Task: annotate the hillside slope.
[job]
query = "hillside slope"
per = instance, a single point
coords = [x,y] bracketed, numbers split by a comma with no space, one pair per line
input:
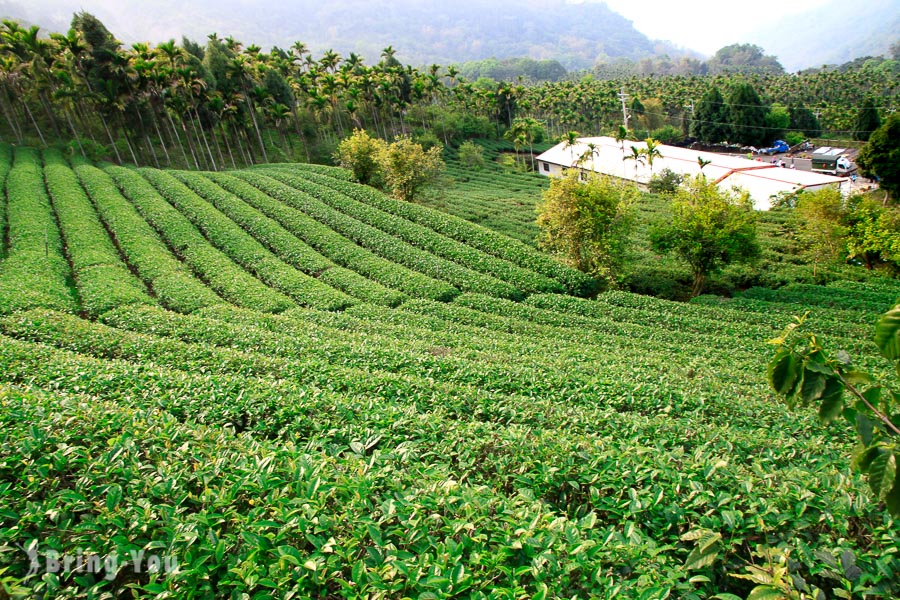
[842,32]
[422,31]
[283,380]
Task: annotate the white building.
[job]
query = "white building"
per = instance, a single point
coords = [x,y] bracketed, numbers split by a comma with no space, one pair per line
[762,180]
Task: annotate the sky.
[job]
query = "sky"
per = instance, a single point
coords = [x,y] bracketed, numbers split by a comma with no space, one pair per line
[705,25]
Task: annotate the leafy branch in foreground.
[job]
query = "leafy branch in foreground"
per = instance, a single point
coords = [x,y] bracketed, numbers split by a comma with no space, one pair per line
[803,374]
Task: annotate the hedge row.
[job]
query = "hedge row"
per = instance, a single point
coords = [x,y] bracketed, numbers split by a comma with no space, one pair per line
[35,273]
[334,172]
[225,277]
[170,280]
[381,243]
[358,202]
[286,245]
[103,281]
[335,246]
[241,247]
[829,297]
[490,242]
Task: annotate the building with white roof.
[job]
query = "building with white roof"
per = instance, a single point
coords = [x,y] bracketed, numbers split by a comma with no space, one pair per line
[762,180]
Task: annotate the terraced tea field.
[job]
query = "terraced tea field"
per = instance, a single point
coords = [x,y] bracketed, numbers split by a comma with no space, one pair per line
[294,386]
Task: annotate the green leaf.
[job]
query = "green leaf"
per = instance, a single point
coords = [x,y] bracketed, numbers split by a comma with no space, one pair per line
[766,592]
[359,572]
[375,535]
[882,473]
[865,427]
[831,407]
[887,334]
[541,594]
[708,540]
[698,558]
[812,387]
[113,496]
[892,500]
[783,371]
[818,367]
[694,534]
[289,554]
[857,377]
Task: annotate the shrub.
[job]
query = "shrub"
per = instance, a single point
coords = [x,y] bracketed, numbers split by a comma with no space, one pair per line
[665,182]
[471,155]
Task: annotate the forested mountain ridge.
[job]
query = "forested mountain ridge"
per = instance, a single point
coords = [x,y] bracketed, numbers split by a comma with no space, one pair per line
[422,31]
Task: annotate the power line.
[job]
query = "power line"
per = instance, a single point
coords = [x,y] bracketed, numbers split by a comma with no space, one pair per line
[757,126]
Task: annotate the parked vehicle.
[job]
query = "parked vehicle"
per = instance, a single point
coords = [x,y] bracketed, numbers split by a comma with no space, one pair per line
[831,161]
[778,147]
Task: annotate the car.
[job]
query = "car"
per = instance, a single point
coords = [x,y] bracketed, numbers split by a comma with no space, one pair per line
[778,147]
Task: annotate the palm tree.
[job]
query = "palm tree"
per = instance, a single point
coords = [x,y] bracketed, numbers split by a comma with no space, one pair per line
[570,140]
[621,135]
[651,152]
[241,69]
[702,162]
[593,150]
[637,155]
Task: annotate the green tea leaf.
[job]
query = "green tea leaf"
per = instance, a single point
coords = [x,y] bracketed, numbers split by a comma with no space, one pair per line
[113,496]
[887,334]
[766,592]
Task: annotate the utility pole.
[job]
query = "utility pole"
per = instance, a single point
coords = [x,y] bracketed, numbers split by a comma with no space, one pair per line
[623,97]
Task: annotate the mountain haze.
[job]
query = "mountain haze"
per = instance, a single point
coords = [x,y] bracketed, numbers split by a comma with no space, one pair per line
[835,33]
[422,31]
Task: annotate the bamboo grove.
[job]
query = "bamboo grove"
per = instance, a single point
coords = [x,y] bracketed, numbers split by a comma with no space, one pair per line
[224,105]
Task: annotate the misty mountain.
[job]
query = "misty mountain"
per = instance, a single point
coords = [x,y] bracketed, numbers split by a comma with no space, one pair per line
[835,33]
[422,31]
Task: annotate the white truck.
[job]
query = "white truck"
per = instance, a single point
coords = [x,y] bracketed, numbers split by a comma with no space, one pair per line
[832,161]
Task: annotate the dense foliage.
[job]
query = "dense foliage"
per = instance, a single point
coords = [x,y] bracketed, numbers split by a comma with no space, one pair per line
[326,391]
[222,104]
[709,229]
[805,374]
[587,223]
[880,157]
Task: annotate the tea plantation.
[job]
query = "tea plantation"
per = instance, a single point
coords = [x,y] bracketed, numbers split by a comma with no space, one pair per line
[296,387]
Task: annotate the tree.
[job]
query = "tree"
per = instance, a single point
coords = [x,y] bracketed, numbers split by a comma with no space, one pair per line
[881,155]
[709,229]
[570,140]
[407,168]
[621,135]
[471,155]
[638,156]
[867,120]
[743,58]
[586,223]
[803,119]
[873,233]
[820,225]
[746,116]
[710,118]
[360,154]
[803,374]
[778,119]
[651,152]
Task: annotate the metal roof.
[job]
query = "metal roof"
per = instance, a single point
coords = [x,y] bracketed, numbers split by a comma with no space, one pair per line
[761,179]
